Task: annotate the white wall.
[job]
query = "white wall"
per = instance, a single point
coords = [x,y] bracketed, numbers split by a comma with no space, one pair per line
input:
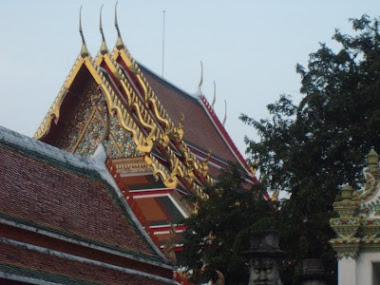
[365,270]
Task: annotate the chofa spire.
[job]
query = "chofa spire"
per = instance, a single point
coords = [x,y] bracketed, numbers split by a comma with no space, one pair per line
[84,51]
[103,47]
[225,113]
[199,91]
[214,99]
[119,42]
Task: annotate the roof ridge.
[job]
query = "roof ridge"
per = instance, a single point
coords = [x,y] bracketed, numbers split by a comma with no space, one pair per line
[211,114]
[14,138]
[223,132]
[188,95]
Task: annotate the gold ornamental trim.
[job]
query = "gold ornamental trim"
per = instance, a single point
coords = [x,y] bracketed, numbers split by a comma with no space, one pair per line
[186,172]
[161,115]
[113,102]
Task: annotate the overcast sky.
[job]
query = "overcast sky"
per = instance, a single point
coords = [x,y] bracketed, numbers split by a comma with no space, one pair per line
[250,48]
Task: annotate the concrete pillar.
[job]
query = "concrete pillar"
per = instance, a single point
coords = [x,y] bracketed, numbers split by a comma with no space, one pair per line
[347,269]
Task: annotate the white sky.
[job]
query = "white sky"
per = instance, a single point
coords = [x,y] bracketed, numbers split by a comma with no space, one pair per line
[250,48]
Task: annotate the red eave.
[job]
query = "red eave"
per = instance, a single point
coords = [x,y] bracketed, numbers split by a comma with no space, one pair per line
[167,228]
[158,192]
[226,137]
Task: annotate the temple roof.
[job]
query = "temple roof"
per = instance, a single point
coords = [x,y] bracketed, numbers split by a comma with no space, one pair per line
[178,135]
[200,132]
[62,193]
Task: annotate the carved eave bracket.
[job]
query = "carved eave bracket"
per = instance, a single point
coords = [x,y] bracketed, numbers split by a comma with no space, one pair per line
[178,132]
[132,102]
[163,140]
[203,169]
[151,100]
[170,180]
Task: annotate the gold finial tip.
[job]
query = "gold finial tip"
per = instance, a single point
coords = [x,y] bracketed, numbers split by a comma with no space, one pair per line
[199,91]
[84,51]
[208,156]
[225,113]
[201,80]
[119,42]
[103,47]
[214,99]
[275,194]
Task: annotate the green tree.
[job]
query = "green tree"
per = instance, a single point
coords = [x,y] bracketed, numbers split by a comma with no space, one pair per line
[218,234]
[309,149]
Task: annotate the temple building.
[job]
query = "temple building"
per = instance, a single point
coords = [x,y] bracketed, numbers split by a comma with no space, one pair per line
[163,143]
[107,174]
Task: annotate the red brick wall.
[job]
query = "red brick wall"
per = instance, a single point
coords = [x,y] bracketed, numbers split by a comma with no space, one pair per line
[49,196]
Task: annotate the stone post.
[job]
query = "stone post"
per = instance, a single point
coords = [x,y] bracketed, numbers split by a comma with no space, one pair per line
[264,254]
[313,272]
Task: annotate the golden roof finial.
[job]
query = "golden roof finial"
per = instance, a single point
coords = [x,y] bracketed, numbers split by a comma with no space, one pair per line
[208,156]
[119,42]
[181,121]
[84,50]
[225,113]
[170,245]
[214,99]
[253,166]
[275,194]
[103,47]
[201,80]
[199,92]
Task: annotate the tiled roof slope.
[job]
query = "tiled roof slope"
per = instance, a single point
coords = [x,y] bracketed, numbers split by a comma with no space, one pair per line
[60,192]
[199,130]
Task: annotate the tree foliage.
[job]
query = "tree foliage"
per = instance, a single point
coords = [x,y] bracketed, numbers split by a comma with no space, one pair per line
[218,234]
[307,149]
[310,148]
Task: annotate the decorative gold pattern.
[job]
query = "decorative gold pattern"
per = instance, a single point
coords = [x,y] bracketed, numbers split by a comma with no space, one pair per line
[160,137]
[85,131]
[131,165]
[115,106]
[158,110]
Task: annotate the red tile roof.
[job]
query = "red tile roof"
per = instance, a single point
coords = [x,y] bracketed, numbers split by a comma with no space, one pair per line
[43,266]
[47,189]
[199,129]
